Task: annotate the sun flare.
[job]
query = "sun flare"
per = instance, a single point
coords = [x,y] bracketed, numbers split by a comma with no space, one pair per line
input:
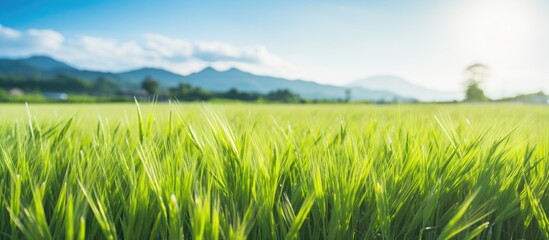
[499,29]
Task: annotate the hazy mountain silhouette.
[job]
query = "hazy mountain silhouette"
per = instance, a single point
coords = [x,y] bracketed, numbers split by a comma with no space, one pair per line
[45,66]
[402,87]
[214,80]
[46,63]
[38,65]
[208,79]
[165,78]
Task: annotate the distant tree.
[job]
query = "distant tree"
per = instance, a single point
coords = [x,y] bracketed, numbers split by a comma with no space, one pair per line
[233,93]
[475,75]
[3,94]
[347,95]
[182,89]
[186,92]
[474,93]
[67,83]
[58,83]
[103,87]
[283,95]
[150,85]
[199,94]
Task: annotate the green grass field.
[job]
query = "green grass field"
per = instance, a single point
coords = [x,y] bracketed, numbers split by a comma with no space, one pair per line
[193,171]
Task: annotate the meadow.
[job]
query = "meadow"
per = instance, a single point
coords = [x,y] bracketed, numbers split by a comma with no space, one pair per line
[251,171]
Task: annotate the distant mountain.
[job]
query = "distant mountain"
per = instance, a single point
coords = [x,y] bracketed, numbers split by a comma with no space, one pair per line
[165,78]
[402,87]
[532,98]
[94,75]
[214,80]
[34,65]
[48,67]
[208,79]
[9,66]
[46,63]
[220,81]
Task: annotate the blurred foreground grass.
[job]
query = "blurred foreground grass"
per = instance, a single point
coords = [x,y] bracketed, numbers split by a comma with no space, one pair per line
[244,171]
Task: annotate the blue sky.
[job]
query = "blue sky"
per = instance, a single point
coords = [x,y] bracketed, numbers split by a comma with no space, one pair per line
[427,42]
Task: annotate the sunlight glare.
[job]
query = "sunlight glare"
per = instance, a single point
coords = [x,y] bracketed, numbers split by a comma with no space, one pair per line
[500,30]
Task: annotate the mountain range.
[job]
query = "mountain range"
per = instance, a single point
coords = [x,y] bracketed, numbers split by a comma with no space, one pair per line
[372,89]
[404,88]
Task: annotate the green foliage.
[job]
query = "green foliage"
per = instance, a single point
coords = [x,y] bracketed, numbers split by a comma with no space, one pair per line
[238,95]
[186,92]
[150,85]
[194,171]
[60,83]
[474,93]
[475,75]
[283,95]
[104,87]
[4,94]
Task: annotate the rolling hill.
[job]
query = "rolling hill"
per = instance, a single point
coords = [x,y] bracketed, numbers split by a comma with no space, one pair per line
[214,80]
[208,78]
[44,66]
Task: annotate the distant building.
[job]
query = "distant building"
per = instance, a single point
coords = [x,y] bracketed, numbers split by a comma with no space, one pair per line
[16,92]
[55,95]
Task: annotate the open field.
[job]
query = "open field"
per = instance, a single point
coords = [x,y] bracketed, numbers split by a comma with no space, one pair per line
[243,171]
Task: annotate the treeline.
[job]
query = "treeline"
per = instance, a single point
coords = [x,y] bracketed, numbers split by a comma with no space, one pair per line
[59,83]
[186,92]
[36,89]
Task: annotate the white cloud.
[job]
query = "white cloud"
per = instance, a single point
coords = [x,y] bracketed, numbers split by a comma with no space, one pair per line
[8,33]
[509,36]
[153,50]
[45,39]
[169,48]
[32,41]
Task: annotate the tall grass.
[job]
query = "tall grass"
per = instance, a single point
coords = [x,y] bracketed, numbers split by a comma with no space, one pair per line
[274,172]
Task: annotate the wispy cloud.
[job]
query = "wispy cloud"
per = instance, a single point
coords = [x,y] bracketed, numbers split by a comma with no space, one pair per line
[153,50]
[8,33]
[14,42]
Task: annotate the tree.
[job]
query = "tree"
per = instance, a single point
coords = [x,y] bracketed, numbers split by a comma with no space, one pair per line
[347,95]
[474,93]
[104,87]
[475,75]
[4,94]
[150,85]
[186,92]
[181,90]
[283,95]
[234,94]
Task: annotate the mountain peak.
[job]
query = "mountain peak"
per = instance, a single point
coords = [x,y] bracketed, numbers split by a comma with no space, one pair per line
[233,69]
[152,69]
[40,57]
[46,62]
[208,79]
[213,70]
[149,70]
[209,69]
